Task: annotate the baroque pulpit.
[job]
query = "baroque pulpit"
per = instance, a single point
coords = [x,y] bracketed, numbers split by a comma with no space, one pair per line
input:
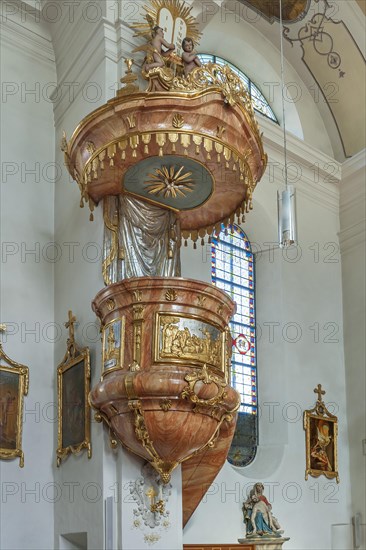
[169,164]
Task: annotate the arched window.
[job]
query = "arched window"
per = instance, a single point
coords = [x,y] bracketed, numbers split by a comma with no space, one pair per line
[260,103]
[233,272]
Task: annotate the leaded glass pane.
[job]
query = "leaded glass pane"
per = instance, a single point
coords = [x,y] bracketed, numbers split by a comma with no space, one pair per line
[233,271]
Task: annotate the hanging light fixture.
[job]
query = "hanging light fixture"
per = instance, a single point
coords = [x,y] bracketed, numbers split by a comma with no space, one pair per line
[286,203]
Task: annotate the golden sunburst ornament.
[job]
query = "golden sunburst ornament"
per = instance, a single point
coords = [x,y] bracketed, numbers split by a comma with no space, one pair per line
[174,16]
[170,182]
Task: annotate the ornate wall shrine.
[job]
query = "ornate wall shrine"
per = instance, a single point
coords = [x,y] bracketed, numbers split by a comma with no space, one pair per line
[171,163]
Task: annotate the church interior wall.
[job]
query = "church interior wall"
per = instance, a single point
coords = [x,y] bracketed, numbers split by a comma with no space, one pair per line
[299,305]
[27,277]
[352,244]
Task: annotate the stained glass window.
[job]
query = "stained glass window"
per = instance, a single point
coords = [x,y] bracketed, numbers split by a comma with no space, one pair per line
[260,103]
[233,272]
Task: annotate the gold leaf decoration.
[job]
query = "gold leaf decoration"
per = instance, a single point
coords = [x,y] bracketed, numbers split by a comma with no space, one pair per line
[170,295]
[111,304]
[90,147]
[170,182]
[165,404]
[178,121]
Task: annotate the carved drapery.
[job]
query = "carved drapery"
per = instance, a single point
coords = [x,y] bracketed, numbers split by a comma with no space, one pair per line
[140,239]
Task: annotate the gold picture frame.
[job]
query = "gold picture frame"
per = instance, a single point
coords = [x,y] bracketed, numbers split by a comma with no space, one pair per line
[73,387]
[321,432]
[14,383]
[113,345]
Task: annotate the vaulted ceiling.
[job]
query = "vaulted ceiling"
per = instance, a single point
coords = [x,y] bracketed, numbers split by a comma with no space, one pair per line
[291,9]
[325,43]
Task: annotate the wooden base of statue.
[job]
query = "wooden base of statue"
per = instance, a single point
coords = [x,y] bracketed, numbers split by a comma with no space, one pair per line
[164,390]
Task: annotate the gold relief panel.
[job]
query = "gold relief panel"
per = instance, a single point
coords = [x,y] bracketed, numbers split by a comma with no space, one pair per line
[113,345]
[180,339]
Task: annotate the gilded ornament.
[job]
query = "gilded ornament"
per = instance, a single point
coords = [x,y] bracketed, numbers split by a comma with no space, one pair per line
[134,366]
[137,295]
[98,417]
[165,404]
[170,295]
[206,377]
[122,146]
[185,140]
[173,138]
[146,138]
[179,12]
[138,311]
[90,147]
[170,182]
[201,300]
[220,131]
[131,119]
[178,121]
[111,304]
[134,142]
[182,338]
[197,140]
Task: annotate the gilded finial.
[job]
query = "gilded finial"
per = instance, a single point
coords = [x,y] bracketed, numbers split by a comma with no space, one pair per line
[129,62]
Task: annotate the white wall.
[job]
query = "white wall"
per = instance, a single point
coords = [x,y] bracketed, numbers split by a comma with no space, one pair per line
[27,212]
[300,344]
[352,240]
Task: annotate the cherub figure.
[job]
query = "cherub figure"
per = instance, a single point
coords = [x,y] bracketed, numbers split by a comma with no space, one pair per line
[155,57]
[189,57]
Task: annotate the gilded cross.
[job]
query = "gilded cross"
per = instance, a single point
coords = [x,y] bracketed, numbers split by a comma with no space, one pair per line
[70,325]
[319,391]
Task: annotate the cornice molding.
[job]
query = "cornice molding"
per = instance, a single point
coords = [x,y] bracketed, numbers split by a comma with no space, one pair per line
[351,166]
[353,237]
[24,39]
[320,174]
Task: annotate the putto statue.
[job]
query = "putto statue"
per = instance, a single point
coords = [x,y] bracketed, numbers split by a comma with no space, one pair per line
[155,53]
[189,57]
[258,518]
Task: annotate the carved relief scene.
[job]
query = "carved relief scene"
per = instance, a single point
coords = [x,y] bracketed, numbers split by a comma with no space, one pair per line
[182,339]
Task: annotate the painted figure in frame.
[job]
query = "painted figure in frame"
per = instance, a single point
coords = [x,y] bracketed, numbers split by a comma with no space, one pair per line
[258,518]
[9,384]
[320,449]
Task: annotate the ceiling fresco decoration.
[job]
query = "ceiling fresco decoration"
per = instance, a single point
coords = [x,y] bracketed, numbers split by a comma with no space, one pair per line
[336,63]
[292,10]
[316,29]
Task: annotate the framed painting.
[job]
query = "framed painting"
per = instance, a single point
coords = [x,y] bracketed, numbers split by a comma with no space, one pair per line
[14,381]
[113,345]
[73,386]
[321,429]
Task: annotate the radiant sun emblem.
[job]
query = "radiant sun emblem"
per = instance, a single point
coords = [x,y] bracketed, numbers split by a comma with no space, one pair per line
[170,182]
